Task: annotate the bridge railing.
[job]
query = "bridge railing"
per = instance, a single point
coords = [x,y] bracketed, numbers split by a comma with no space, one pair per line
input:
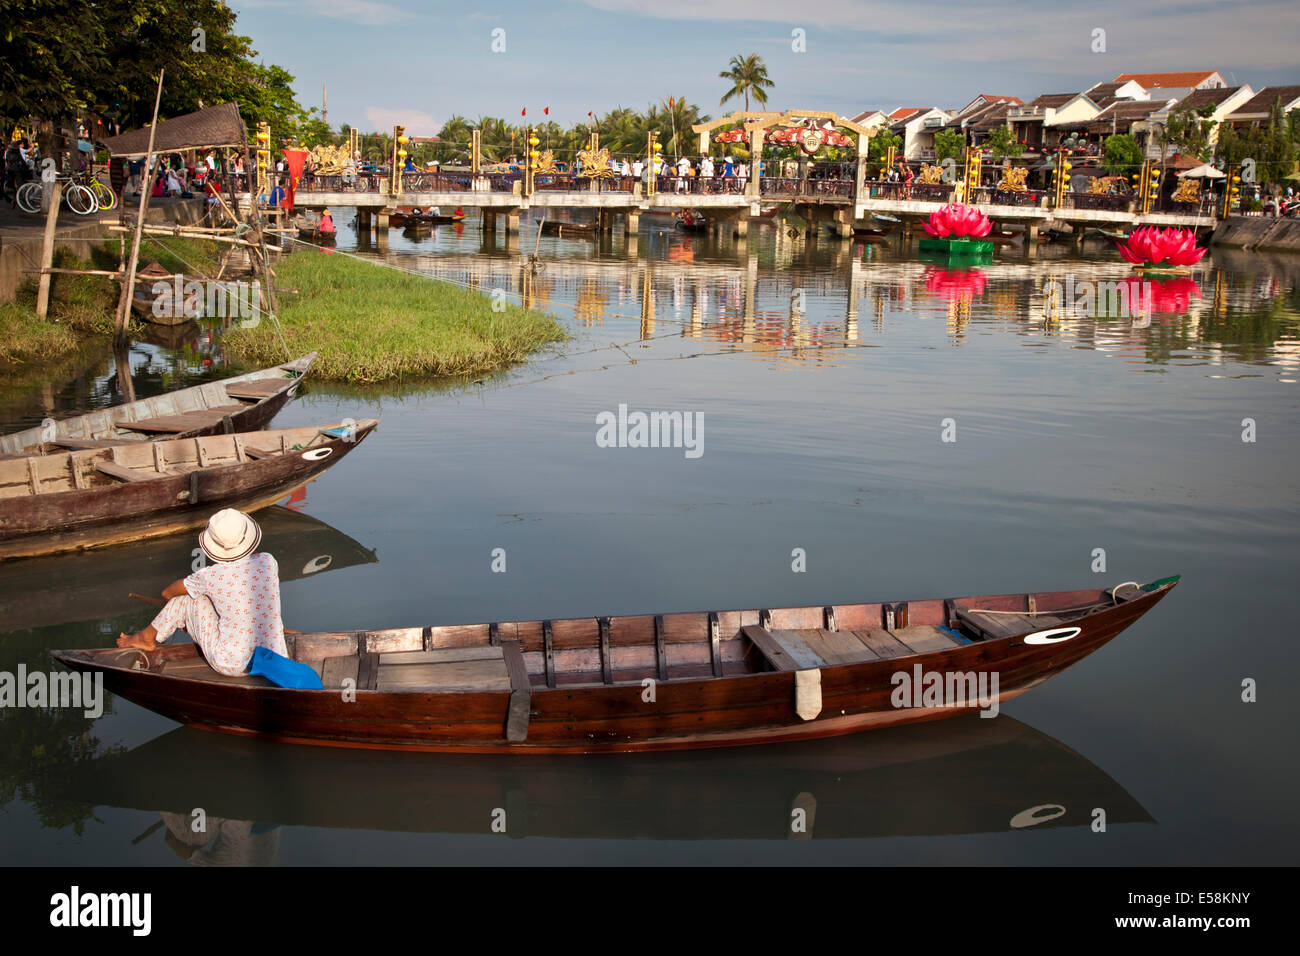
[794,187]
[700,185]
[992,196]
[1104,202]
[922,192]
[439,182]
[338,183]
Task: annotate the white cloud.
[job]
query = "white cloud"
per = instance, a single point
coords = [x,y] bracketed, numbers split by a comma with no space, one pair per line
[417,122]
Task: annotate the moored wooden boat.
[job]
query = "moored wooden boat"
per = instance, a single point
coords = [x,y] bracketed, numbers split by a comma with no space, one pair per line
[126,492]
[647,682]
[552,227]
[160,297]
[239,404]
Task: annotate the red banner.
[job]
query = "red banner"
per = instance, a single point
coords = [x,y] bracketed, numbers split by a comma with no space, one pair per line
[294,160]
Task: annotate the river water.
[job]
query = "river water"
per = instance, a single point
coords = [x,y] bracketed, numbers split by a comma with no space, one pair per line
[827,376]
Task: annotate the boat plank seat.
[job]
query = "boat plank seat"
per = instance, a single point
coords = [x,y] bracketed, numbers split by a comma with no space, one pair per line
[184,421]
[837,647]
[883,643]
[196,668]
[124,473]
[925,638]
[257,389]
[993,625]
[336,670]
[783,650]
[471,675]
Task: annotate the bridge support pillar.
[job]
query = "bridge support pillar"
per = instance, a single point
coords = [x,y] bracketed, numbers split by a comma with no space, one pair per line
[1077,235]
[632,222]
[844,223]
[512,222]
[489,224]
[741,226]
[1031,233]
[363,221]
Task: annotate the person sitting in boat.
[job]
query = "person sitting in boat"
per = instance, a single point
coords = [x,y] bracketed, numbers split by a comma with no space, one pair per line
[459,213]
[326,224]
[229,607]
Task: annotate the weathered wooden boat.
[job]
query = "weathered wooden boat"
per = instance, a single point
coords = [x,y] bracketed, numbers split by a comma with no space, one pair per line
[405,215]
[160,297]
[239,404]
[568,230]
[646,682]
[96,585]
[1011,778]
[136,490]
[313,235]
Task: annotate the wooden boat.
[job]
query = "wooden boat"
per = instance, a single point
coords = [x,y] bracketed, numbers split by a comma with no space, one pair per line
[313,235]
[242,403]
[696,223]
[404,215]
[127,492]
[851,787]
[160,297]
[648,682]
[95,585]
[568,230]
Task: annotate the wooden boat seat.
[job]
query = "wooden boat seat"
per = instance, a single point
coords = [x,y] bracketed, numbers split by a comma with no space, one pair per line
[992,625]
[446,669]
[123,473]
[184,422]
[788,650]
[257,389]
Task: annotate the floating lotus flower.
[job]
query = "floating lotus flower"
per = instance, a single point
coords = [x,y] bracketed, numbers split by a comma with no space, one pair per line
[956,221]
[1167,248]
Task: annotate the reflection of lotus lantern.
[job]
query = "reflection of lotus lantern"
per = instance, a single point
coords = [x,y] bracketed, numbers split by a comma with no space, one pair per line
[955,283]
[1167,296]
[1170,248]
[956,221]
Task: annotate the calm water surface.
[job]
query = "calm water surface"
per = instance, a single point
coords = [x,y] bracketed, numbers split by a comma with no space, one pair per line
[824,372]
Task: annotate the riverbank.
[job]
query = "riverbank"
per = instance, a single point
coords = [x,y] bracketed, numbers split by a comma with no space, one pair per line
[371,324]
[81,307]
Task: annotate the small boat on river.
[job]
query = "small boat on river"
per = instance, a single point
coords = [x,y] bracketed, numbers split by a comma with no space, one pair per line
[239,404]
[136,490]
[643,682]
[568,230]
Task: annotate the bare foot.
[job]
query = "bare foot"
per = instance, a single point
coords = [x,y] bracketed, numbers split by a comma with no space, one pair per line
[139,640]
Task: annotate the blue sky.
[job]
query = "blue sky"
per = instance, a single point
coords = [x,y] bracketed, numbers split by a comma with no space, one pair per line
[388,61]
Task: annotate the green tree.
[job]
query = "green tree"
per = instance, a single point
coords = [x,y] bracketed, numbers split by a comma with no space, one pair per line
[1002,145]
[748,76]
[948,144]
[1188,131]
[1123,156]
[879,146]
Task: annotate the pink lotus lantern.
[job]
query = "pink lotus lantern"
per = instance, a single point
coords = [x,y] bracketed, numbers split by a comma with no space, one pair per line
[956,221]
[1161,248]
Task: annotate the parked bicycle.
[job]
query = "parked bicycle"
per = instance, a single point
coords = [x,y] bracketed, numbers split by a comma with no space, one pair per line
[84,194]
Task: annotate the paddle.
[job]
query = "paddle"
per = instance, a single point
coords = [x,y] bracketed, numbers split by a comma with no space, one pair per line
[159,602]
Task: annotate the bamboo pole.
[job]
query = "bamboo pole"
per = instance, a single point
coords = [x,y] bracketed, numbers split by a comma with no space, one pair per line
[128,281]
[47,252]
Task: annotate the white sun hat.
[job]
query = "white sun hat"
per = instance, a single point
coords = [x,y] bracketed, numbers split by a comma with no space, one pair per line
[230,536]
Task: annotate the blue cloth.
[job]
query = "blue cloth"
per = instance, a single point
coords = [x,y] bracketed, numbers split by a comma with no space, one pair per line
[283,672]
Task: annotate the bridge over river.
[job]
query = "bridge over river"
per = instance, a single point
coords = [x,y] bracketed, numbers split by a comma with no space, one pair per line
[823,193]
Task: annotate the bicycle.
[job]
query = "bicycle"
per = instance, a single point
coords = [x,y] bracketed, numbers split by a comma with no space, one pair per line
[79,197]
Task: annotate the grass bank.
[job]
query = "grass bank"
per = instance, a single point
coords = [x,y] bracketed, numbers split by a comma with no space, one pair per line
[373,324]
[81,307]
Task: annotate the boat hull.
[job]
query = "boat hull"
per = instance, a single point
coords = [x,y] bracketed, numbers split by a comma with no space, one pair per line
[75,520]
[626,715]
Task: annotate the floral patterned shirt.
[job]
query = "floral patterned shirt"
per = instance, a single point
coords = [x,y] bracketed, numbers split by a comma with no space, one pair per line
[246,595]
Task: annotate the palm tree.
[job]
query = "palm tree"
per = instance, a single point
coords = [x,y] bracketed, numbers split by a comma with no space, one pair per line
[748,74]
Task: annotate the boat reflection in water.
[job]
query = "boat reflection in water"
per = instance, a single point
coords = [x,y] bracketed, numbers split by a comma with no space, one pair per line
[959,776]
[94,585]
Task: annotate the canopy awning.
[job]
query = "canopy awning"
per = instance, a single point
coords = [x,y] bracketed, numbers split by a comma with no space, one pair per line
[210,128]
[1203,171]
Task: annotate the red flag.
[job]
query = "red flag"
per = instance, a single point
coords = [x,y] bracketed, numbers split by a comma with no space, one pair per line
[589,113]
[524,111]
[546,110]
[670,102]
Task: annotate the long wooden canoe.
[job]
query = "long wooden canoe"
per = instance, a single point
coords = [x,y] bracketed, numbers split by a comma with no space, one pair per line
[647,682]
[243,403]
[101,496]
